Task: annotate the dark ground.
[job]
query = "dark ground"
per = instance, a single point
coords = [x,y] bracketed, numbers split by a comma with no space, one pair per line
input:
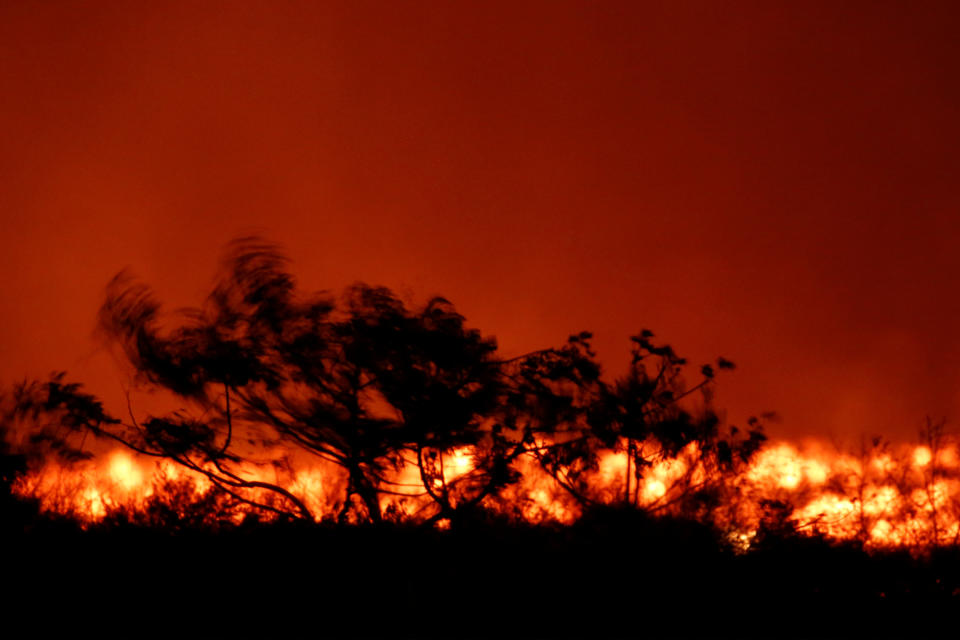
[614,574]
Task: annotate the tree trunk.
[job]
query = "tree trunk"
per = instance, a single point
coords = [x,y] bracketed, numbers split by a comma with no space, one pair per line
[367,493]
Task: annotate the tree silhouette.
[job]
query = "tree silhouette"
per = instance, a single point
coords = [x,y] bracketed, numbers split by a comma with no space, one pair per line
[363,382]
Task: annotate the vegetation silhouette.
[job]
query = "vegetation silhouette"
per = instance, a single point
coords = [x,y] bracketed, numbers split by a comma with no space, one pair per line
[368,384]
[365,383]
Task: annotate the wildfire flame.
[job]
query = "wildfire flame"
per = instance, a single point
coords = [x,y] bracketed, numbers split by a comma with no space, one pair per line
[907,496]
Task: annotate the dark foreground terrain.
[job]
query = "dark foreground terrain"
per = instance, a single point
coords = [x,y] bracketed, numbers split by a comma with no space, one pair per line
[614,574]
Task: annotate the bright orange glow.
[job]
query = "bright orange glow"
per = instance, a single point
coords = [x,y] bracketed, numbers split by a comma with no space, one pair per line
[948,458]
[124,471]
[457,463]
[890,497]
[654,489]
[784,466]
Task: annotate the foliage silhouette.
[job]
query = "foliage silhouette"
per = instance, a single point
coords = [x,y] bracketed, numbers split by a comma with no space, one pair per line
[363,382]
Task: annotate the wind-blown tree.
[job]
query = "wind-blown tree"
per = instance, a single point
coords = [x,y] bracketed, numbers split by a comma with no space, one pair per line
[369,385]
[577,416]
[358,386]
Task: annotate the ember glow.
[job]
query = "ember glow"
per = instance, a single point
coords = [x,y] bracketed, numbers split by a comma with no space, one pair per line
[886,496]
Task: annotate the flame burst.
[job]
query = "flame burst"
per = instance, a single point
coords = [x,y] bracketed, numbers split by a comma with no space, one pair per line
[907,496]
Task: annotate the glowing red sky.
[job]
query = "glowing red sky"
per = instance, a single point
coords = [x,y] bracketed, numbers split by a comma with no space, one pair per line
[771,182]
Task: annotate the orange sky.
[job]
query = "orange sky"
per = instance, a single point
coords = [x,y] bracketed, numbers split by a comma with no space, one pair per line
[770,182]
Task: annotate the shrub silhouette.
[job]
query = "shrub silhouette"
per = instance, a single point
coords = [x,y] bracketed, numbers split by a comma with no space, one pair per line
[369,384]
